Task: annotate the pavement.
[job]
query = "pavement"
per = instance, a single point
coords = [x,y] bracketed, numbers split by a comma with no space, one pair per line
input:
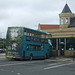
[2,55]
[64,59]
[51,66]
[59,59]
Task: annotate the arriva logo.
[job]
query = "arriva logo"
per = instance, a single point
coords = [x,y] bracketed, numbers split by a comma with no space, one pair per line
[49,41]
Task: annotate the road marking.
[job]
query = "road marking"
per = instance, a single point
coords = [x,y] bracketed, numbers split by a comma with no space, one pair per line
[18,73]
[13,64]
[54,64]
[58,66]
[2,54]
[17,63]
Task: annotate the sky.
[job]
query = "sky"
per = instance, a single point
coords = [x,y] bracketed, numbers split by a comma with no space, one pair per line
[30,13]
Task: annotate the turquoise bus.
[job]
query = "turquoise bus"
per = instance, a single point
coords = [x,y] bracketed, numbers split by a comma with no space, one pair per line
[25,43]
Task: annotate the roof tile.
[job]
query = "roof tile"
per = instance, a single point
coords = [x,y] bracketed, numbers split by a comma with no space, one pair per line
[43,27]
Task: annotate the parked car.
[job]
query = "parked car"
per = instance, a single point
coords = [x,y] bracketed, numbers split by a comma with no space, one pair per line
[2,50]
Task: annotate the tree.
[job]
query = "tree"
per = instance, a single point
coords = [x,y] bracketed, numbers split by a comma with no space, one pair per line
[2,43]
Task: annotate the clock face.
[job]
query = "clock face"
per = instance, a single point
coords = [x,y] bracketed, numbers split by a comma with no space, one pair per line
[61,21]
[66,20]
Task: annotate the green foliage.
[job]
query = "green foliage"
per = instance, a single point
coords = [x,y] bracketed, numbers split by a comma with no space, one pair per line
[2,43]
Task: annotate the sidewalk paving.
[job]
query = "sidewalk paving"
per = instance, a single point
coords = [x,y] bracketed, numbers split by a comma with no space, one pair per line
[61,59]
[58,59]
[2,55]
[64,59]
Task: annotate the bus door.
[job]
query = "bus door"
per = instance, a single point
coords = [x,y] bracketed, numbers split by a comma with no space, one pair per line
[23,54]
[50,47]
[50,50]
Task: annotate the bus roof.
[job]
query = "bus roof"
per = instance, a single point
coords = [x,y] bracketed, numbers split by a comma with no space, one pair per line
[32,30]
[37,31]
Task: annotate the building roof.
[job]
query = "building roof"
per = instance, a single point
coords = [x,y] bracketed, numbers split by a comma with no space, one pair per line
[66,9]
[72,22]
[45,26]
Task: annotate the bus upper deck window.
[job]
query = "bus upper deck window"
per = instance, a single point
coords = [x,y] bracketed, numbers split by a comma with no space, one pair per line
[30,34]
[24,33]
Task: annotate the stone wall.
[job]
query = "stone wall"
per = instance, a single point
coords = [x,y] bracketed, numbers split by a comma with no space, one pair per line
[61,33]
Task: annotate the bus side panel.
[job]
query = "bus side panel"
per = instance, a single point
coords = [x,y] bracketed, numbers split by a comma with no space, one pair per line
[46,47]
[36,54]
[24,45]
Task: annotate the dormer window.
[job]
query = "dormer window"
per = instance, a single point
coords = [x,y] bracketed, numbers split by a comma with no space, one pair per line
[66,20]
[61,20]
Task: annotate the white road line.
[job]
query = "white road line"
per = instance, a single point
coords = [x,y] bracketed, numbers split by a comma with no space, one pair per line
[16,64]
[54,64]
[3,54]
[18,73]
[58,66]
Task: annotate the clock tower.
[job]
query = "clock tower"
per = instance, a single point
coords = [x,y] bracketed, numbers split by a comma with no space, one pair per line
[65,16]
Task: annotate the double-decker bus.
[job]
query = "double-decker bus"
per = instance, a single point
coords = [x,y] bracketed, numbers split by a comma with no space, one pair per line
[25,43]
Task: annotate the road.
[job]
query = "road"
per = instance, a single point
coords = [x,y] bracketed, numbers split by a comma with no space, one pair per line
[36,67]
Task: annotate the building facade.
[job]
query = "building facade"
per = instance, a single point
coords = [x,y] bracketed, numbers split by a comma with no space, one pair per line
[63,35]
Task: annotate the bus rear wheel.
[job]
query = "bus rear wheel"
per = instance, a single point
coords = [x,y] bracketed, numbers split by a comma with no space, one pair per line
[46,56]
[31,56]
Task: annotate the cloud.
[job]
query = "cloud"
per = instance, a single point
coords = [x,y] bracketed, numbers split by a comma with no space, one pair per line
[29,13]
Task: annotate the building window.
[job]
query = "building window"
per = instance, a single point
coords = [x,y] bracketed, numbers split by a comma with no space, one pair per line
[70,43]
[66,20]
[61,20]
